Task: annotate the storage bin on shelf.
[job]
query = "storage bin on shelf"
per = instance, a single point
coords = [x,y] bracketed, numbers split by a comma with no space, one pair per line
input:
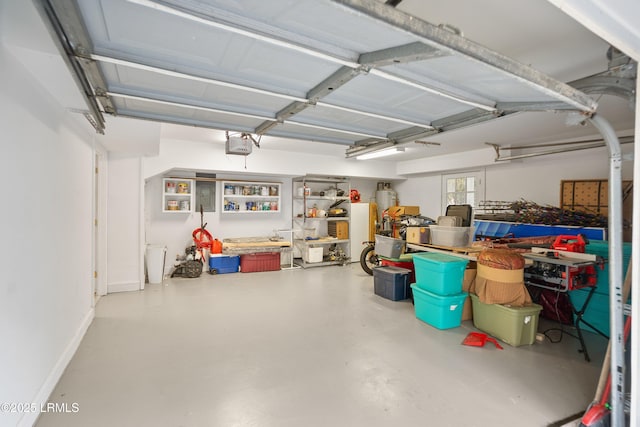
[449,221]
[441,312]
[492,229]
[389,247]
[439,273]
[450,236]
[312,255]
[391,282]
[515,326]
[222,264]
[260,261]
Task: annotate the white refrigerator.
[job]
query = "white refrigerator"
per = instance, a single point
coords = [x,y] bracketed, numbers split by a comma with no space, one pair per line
[359,229]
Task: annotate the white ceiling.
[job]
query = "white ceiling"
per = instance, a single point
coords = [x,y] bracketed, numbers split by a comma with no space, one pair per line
[533,32]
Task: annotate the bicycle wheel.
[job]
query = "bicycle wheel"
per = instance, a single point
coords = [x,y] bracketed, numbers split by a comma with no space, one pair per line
[369,259]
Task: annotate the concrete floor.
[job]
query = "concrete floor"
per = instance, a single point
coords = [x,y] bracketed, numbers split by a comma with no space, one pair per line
[309,348]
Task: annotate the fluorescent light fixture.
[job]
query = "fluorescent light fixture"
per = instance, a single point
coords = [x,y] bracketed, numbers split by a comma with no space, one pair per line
[381,153]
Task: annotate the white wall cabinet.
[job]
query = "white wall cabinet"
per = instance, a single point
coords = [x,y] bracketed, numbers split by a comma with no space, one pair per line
[251,197]
[321,221]
[178,195]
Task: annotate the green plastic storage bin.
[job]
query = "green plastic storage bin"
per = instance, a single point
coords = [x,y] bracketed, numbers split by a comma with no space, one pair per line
[439,273]
[515,326]
[439,311]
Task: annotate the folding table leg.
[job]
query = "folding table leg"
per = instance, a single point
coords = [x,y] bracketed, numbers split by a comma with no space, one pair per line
[579,314]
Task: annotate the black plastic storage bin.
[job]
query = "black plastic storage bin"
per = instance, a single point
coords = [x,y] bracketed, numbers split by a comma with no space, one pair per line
[463,211]
[391,282]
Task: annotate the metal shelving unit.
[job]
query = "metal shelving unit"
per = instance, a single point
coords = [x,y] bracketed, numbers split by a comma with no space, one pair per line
[314,197]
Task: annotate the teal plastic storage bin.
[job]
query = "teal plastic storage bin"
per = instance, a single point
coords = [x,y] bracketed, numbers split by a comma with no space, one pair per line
[439,273]
[601,248]
[439,311]
[597,312]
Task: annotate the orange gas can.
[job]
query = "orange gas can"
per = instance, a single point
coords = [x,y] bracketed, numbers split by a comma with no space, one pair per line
[216,246]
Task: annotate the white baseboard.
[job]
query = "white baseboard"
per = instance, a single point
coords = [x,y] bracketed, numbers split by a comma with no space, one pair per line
[123,287]
[41,398]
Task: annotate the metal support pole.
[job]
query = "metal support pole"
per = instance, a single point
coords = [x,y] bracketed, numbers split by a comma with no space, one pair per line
[615,270]
[635,280]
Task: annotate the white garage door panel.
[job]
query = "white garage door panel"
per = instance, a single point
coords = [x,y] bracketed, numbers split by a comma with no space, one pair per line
[326,116]
[171,114]
[382,96]
[479,82]
[288,64]
[130,81]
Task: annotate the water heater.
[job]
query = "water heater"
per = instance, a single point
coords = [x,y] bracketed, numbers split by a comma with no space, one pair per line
[385,199]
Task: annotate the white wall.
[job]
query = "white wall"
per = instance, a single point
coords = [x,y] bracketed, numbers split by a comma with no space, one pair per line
[535,179]
[180,154]
[174,230]
[46,171]
[538,178]
[124,224]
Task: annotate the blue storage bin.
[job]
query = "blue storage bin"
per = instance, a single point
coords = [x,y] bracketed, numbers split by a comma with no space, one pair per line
[391,282]
[221,264]
[486,228]
[442,312]
[439,273]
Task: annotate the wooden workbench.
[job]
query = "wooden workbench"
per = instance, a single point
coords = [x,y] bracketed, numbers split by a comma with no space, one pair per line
[250,245]
[466,252]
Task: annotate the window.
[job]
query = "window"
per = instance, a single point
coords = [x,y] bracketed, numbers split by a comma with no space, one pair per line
[465,188]
[205,192]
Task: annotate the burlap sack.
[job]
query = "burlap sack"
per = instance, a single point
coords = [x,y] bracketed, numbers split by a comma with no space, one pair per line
[504,259]
[497,286]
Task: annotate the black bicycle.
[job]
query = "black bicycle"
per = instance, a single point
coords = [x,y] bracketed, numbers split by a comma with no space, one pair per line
[368,257]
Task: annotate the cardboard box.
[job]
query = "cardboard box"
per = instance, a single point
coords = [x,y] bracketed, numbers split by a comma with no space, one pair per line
[469,277]
[395,211]
[418,235]
[338,229]
[467,284]
[467,309]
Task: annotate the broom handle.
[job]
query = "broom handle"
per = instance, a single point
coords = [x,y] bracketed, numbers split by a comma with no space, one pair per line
[606,364]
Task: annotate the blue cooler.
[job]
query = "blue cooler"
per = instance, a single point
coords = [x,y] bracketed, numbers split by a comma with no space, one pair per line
[221,264]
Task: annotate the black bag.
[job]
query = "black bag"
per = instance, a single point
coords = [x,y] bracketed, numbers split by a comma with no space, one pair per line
[188,269]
